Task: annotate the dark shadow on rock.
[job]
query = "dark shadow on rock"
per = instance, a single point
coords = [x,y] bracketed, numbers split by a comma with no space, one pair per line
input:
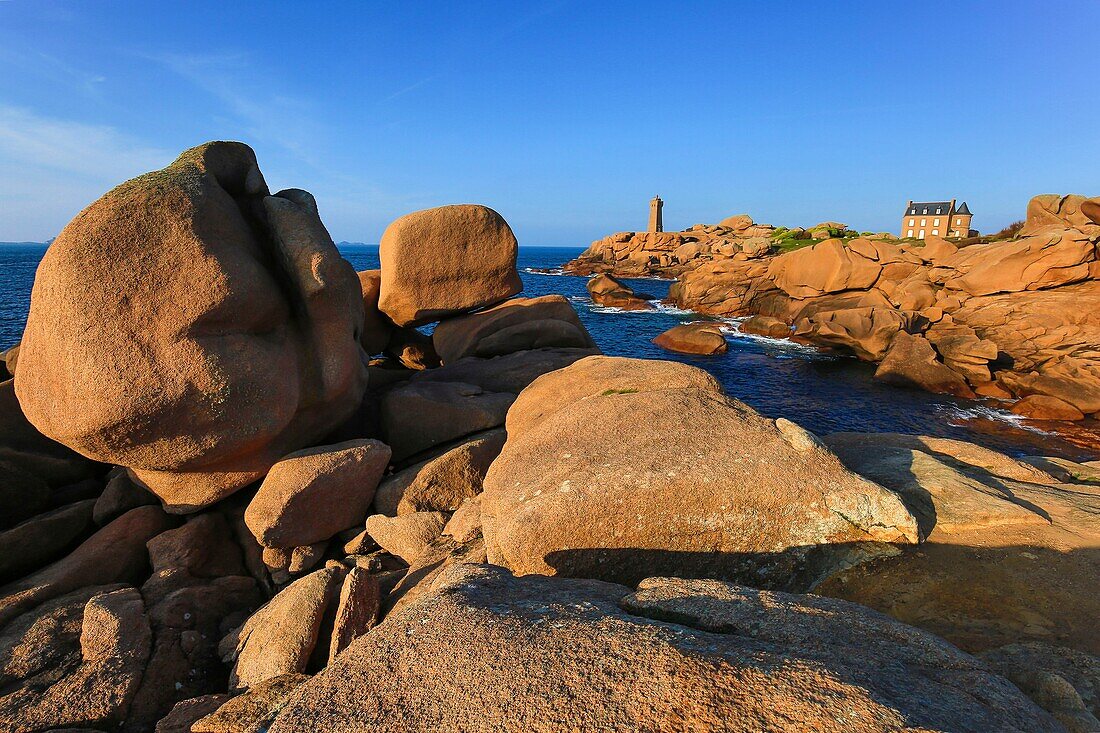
[796,569]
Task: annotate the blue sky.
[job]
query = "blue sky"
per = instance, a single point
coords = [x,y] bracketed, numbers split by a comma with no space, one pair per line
[564,116]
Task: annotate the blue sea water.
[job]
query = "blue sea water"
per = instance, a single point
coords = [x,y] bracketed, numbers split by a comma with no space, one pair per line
[779,379]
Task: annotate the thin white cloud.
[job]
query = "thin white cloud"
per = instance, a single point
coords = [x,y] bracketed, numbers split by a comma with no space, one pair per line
[51,168]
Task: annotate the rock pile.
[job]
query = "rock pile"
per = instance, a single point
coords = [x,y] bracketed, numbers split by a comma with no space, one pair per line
[309,515]
[1014,320]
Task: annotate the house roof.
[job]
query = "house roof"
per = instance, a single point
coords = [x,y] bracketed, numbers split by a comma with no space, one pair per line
[917,208]
[963,210]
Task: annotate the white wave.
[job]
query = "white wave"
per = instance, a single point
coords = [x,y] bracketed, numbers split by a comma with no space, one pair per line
[548,271]
[732,328]
[960,415]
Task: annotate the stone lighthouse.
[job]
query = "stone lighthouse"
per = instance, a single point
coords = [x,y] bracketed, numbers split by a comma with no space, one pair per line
[656,223]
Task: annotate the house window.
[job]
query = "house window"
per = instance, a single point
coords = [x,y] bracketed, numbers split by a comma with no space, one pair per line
[936,232]
[923,222]
[921,235]
[910,222]
[925,211]
[937,211]
[958,222]
[935,222]
[910,233]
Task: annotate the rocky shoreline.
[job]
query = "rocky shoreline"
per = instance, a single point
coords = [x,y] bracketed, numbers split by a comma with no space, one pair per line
[241,491]
[1013,320]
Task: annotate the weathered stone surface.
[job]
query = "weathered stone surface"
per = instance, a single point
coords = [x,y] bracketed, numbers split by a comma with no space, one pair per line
[507,373]
[204,547]
[867,331]
[607,291]
[356,611]
[765,326]
[465,524]
[186,712]
[938,494]
[422,415]
[376,327]
[115,642]
[983,578]
[43,538]
[675,655]
[1075,381]
[911,362]
[120,495]
[441,483]
[515,325]
[1042,261]
[963,351]
[600,376]
[1052,211]
[693,338]
[1045,407]
[412,349]
[1064,682]
[575,493]
[253,710]
[828,267]
[180,298]
[30,463]
[446,261]
[406,536]
[280,637]
[114,554]
[312,494]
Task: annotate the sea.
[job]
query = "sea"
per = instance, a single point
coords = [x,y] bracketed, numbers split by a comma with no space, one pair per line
[823,393]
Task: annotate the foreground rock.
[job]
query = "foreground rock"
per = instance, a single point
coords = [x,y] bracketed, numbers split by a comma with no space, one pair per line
[446,261]
[615,479]
[443,482]
[114,554]
[1010,551]
[241,292]
[312,494]
[607,659]
[1064,682]
[114,645]
[693,338]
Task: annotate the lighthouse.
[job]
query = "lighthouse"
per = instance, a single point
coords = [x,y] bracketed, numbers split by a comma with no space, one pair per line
[656,223]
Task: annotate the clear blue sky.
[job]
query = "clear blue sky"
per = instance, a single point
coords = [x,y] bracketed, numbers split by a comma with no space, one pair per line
[565,116]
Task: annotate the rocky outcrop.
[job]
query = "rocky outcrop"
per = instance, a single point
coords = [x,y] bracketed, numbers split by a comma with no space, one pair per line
[583,490]
[607,291]
[911,362]
[515,325]
[674,654]
[113,647]
[446,261]
[1064,682]
[1010,549]
[693,338]
[312,494]
[1004,318]
[194,328]
[527,448]
[443,482]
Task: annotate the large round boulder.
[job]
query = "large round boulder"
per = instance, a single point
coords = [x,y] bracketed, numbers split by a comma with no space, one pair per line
[194,328]
[446,261]
[617,476]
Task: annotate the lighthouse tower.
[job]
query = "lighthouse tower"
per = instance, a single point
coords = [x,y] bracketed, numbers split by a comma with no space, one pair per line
[656,222]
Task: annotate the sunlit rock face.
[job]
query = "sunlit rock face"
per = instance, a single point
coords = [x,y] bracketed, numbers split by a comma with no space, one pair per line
[194,328]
